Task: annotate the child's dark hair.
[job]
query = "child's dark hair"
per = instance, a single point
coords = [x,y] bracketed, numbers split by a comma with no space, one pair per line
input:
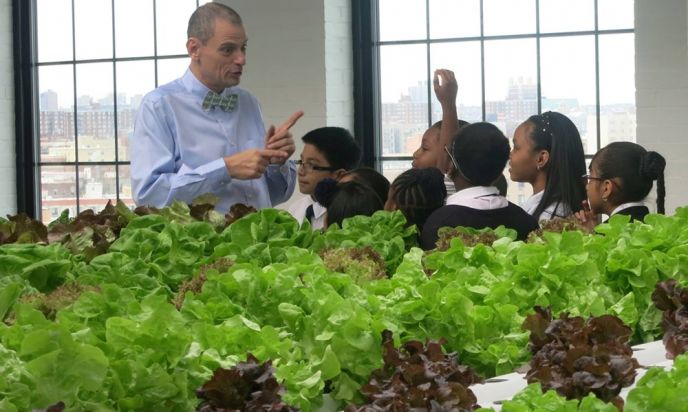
[481,151]
[557,134]
[419,192]
[371,177]
[501,185]
[635,167]
[345,200]
[336,144]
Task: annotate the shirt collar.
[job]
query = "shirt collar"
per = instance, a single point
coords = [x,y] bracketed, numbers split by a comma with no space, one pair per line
[532,203]
[478,197]
[318,210]
[198,89]
[626,206]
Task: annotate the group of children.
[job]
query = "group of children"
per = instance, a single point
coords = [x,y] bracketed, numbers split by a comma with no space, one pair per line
[457,177]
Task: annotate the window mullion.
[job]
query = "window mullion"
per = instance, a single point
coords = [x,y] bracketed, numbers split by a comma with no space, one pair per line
[482,61]
[598,111]
[114,91]
[76,112]
[155,41]
[429,73]
[538,74]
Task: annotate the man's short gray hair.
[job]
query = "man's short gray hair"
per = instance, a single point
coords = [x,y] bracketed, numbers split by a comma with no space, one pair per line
[202,21]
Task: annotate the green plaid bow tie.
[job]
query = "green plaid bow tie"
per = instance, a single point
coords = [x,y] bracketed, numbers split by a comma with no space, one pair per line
[225,103]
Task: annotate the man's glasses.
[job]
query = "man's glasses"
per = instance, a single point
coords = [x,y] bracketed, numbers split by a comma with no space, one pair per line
[309,167]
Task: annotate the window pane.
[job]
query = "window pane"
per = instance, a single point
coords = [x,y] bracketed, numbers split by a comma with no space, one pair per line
[617,88]
[615,14]
[58,191]
[93,29]
[134,80]
[95,112]
[404,112]
[125,185]
[568,82]
[97,185]
[138,14]
[510,83]
[402,20]
[464,59]
[454,18]
[172,20]
[54,27]
[56,116]
[509,17]
[393,168]
[171,69]
[566,15]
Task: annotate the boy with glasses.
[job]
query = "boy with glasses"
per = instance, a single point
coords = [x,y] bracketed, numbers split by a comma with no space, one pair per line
[328,153]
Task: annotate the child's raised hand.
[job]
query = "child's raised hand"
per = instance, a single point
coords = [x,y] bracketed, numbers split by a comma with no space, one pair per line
[445,86]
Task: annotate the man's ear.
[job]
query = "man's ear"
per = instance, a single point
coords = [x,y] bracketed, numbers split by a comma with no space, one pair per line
[193,46]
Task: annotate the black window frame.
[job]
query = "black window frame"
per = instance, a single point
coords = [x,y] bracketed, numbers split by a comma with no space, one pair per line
[26,103]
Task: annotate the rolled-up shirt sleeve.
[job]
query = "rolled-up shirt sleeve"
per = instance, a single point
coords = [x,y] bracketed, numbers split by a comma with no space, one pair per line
[156,179]
[281,181]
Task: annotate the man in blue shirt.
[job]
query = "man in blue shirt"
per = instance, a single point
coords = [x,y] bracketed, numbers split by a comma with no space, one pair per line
[202,134]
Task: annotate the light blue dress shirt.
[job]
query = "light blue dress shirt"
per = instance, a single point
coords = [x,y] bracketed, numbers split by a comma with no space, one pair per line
[177,149]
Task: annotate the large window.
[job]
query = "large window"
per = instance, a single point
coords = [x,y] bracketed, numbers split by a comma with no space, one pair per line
[512,59]
[92,61]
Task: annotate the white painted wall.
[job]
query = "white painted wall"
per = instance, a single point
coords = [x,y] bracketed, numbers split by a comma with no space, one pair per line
[661,40]
[8,191]
[338,64]
[299,58]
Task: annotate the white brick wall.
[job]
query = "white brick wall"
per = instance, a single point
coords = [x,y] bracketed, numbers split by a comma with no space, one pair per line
[339,63]
[662,88]
[8,191]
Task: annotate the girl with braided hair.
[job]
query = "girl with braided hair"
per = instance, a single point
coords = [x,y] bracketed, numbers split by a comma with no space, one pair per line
[417,193]
[621,176]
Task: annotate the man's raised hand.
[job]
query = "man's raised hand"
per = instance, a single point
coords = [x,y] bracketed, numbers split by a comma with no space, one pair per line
[281,139]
